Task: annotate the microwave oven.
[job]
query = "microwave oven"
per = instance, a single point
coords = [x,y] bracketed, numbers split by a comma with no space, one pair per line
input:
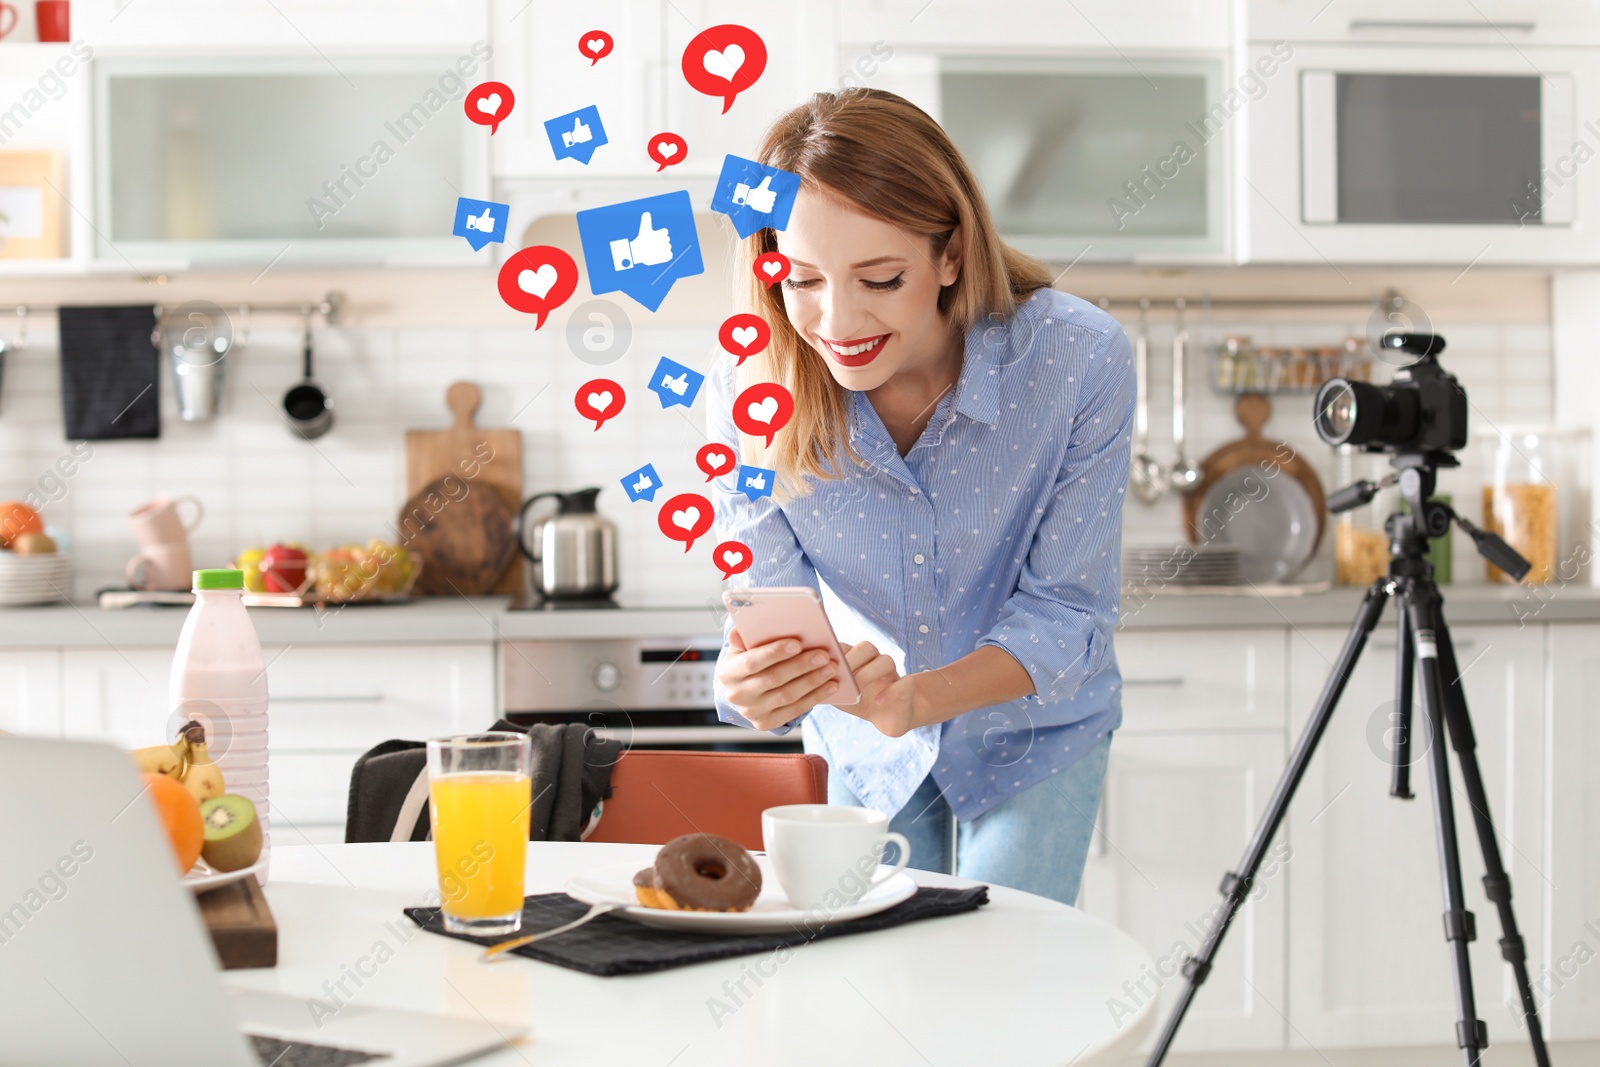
[1425,154]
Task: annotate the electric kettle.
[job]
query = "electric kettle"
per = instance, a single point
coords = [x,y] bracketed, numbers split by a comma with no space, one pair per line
[574,551]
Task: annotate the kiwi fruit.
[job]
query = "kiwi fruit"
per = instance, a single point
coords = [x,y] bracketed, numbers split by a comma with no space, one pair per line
[232,833]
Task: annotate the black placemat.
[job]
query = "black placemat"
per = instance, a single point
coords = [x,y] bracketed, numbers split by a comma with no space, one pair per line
[610,945]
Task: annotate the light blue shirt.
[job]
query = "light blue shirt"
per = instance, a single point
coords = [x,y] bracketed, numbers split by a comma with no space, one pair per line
[1002,526]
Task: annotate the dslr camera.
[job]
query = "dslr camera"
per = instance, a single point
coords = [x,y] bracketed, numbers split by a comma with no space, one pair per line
[1423,410]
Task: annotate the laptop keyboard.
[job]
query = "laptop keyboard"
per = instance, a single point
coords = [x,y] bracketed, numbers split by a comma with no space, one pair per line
[274,1053]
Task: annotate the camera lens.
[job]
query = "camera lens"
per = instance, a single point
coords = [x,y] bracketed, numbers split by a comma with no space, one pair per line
[1360,413]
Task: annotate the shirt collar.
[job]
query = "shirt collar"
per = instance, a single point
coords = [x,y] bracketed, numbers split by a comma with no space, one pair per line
[977,392]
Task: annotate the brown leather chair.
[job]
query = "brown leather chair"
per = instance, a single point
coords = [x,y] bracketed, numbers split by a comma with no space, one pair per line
[658,795]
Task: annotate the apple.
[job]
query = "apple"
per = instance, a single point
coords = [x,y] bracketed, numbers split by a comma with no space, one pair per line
[283,569]
[33,544]
[17,518]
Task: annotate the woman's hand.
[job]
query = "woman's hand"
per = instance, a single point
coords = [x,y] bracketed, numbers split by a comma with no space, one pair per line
[888,700]
[774,683]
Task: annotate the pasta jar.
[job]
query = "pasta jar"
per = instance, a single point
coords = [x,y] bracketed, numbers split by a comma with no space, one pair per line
[1519,503]
[1360,545]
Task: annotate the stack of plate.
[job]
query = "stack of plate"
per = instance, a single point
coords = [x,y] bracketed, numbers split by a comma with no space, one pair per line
[1157,565]
[40,579]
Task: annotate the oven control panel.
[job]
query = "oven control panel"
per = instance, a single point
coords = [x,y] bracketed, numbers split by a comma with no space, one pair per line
[538,675]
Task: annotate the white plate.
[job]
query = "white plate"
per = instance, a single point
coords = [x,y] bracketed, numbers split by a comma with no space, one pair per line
[1278,532]
[771,914]
[201,877]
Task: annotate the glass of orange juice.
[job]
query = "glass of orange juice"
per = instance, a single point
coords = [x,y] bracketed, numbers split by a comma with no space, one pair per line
[479,796]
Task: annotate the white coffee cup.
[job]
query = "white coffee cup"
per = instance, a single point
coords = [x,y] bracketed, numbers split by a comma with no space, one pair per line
[826,855]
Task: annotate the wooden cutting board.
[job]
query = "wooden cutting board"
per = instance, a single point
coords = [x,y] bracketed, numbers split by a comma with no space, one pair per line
[241,925]
[461,450]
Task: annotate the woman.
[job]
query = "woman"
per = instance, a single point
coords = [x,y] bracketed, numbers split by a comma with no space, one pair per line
[952,483]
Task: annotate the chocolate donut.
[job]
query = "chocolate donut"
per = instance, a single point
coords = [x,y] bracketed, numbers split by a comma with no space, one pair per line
[705,872]
[644,887]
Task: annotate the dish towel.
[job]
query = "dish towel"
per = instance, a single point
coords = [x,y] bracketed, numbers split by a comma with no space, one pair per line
[571,776]
[610,945]
[110,373]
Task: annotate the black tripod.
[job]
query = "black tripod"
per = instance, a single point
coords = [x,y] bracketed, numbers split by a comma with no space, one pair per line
[1424,649]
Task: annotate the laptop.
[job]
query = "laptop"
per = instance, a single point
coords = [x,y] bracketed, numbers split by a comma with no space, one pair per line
[104,959]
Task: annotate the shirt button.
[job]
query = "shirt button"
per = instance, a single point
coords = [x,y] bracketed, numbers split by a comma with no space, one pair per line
[915,490]
[922,629]
[917,559]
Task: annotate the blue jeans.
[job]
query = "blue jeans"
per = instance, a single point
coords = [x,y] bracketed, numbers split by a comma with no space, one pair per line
[1035,841]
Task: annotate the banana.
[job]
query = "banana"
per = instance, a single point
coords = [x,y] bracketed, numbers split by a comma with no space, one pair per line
[202,777]
[160,759]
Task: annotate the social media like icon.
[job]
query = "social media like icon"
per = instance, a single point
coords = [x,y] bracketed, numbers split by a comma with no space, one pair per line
[771,268]
[714,460]
[724,61]
[600,399]
[675,384]
[754,195]
[642,484]
[576,134]
[667,150]
[743,335]
[763,409]
[732,557]
[686,517]
[538,279]
[640,247]
[489,103]
[481,221]
[595,46]
[755,482]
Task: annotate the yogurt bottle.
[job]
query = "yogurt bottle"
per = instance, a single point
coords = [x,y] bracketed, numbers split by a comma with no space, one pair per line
[220,679]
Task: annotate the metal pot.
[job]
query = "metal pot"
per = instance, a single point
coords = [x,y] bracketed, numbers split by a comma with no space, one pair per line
[573,552]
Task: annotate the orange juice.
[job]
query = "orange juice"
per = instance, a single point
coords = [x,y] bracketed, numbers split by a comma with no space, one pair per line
[480,841]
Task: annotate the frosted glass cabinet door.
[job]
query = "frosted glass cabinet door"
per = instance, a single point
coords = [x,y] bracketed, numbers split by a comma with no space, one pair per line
[242,159]
[1095,157]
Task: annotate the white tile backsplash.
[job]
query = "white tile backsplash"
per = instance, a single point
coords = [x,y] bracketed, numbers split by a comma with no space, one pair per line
[259,483]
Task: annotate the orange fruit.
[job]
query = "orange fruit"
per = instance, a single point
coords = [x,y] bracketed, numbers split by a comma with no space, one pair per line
[179,812]
[17,518]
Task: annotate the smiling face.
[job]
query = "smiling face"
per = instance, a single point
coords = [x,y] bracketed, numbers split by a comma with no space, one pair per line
[864,292]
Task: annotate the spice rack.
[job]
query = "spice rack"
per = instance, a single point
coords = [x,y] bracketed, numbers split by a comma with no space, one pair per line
[1238,366]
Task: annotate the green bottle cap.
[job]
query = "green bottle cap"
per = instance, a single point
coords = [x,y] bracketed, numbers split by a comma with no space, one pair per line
[218,579]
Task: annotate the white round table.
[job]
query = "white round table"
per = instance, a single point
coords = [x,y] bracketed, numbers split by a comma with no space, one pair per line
[1022,981]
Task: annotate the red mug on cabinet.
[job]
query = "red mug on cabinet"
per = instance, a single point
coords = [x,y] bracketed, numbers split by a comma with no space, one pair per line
[54,20]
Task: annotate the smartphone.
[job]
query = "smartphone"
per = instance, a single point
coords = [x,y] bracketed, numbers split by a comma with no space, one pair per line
[764,615]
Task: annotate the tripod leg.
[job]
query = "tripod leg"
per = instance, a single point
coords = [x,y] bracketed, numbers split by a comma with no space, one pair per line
[1236,884]
[1404,669]
[1421,604]
[1496,882]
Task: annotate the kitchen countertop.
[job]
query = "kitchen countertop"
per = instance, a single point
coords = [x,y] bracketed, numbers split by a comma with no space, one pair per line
[486,619]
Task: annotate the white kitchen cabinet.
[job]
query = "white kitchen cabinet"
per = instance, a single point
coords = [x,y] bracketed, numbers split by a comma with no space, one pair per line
[1189,679]
[1177,812]
[1490,22]
[116,694]
[639,88]
[1084,25]
[1568,986]
[297,25]
[30,691]
[1368,962]
[328,705]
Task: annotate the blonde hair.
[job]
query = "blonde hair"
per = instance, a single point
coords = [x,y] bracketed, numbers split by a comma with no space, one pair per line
[836,142]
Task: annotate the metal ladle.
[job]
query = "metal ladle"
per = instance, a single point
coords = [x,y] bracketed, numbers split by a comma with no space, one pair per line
[1183,476]
[1144,472]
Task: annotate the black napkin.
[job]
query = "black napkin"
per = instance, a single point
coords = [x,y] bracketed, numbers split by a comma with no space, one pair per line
[110,385]
[610,945]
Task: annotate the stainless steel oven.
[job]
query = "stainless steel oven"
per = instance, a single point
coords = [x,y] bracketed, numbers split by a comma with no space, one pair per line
[652,693]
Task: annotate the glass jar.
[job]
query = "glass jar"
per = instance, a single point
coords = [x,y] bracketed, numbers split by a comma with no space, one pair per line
[1519,503]
[1230,355]
[1356,360]
[1360,545]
